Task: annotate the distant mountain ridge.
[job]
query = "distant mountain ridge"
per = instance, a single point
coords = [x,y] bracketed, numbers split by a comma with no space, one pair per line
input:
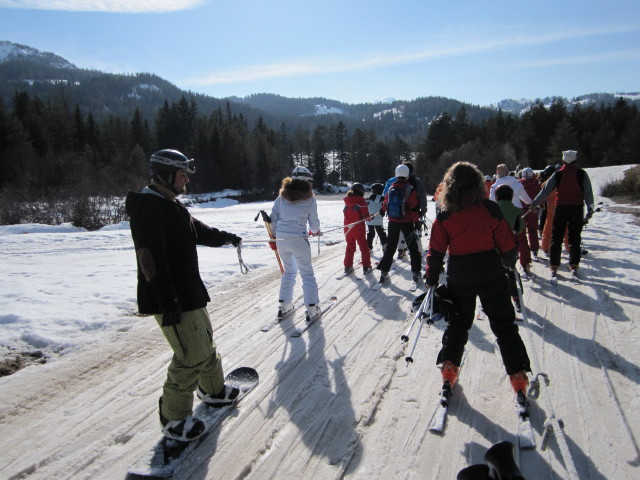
[45,74]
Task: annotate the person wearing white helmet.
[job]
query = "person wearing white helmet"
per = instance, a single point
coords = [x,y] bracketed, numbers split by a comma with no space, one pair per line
[293,216]
[532,186]
[403,210]
[573,192]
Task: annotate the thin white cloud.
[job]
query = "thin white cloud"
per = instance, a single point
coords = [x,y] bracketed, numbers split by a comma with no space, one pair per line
[622,55]
[473,46]
[111,6]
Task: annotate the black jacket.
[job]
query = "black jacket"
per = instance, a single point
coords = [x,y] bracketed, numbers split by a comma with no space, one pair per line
[165,236]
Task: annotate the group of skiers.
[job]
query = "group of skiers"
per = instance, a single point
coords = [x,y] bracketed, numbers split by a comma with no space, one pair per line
[483,240]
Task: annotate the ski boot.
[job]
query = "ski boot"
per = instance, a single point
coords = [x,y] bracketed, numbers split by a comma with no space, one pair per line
[450,372]
[284,309]
[313,312]
[185,430]
[348,270]
[519,382]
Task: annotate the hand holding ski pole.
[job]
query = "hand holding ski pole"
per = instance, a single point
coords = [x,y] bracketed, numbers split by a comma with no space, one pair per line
[272,237]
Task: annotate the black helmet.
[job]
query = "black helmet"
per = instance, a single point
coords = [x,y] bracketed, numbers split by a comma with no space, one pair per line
[164,164]
[377,188]
[547,172]
[357,188]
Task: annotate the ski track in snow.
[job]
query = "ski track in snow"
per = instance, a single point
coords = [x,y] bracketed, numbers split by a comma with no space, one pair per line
[340,402]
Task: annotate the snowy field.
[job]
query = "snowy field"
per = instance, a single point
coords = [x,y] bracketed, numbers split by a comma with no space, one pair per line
[339,402]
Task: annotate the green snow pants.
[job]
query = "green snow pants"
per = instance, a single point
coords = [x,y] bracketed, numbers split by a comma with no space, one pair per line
[195,362]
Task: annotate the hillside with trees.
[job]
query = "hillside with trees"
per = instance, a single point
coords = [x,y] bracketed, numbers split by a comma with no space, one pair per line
[60,145]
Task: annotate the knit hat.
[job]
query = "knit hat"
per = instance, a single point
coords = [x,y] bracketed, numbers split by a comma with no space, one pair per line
[569,156]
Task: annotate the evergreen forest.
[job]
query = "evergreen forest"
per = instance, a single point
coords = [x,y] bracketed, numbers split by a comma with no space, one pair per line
[52,151]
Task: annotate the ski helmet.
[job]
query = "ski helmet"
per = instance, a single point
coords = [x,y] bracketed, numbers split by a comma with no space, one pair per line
[402,171]
[377,188]
[527,172]
[164,164]
[302,173]
[357,188]
[547,172]
[569,156]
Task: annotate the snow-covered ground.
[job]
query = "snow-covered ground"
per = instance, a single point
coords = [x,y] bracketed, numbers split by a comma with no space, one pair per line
[339,402]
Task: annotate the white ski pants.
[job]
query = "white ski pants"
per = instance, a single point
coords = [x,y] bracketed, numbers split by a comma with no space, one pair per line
[295,254]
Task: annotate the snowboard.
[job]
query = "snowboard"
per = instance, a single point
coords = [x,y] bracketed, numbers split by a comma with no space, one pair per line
[167,455]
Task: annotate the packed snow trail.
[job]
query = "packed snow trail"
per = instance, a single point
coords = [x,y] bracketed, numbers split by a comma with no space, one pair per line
[340,402]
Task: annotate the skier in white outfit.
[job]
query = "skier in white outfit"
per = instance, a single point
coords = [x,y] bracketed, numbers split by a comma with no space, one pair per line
[294,215]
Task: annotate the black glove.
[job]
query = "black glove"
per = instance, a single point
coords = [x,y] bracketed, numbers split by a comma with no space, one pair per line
[169,319]
[382,212]
[234,240]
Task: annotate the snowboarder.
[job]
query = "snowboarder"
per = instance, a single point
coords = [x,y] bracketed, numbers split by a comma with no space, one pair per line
[294,216]
[355,212]
[165,236]
[376,223]
[479,241]
[573,192]
[402,208]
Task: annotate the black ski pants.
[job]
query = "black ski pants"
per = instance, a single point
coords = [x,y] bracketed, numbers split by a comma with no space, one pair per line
[567,217]
[496,303]
[371,234]
[411,237]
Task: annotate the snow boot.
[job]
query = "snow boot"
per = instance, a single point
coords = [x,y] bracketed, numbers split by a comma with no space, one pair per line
[284,309]
[348,270]
[554,277]
[367,270]
[416,277]
[384,277]
[519,382]
[185,430]
[227,396]
[450,372]
[313,312]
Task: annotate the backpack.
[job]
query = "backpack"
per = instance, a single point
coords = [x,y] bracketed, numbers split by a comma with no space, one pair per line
[397,200]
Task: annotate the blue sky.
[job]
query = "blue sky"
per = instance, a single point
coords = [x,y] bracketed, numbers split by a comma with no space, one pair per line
[348,50]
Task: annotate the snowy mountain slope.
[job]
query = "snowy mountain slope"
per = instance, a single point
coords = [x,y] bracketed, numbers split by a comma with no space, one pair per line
[340,402]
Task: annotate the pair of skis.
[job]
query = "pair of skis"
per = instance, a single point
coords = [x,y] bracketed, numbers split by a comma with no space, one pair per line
[524,432]
[308,322]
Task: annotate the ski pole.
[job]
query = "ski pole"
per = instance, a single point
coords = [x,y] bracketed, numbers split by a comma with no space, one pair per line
[419,314]
[552,424]
[409,358]
[272,238]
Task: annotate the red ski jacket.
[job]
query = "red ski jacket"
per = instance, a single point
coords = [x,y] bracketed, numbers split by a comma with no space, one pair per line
[476,239]
[355,209]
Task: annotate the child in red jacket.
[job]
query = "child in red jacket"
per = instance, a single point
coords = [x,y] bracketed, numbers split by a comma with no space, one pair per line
[355,213]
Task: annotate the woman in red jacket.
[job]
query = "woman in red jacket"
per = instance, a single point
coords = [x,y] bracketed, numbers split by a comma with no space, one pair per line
[355,231]
[476,235]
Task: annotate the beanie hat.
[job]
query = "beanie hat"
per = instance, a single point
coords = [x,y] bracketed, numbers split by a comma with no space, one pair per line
[569,156]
